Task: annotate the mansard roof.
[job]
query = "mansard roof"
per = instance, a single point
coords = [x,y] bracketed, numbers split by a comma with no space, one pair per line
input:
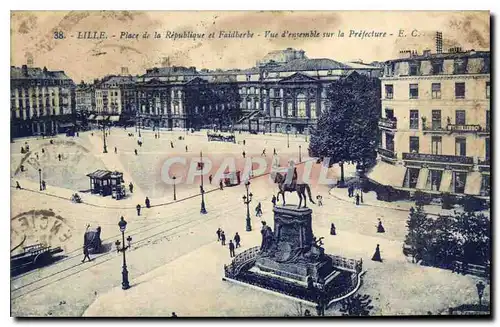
[309,64]
[37,73]
[298,77]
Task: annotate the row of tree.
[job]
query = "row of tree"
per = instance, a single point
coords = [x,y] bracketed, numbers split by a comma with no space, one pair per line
[348,129]
[464,236]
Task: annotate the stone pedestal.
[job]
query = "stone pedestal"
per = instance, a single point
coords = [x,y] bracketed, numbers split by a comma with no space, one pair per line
[294,254]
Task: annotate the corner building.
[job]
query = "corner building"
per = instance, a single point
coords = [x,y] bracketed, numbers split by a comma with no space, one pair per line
[435,125]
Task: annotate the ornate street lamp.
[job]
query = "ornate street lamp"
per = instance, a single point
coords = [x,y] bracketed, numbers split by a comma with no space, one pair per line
[202,190]
[480,290]
[174,178]
[123,225]
[246,200]
[40,178]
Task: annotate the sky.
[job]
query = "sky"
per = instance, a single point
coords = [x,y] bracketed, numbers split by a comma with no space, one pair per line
[32,34]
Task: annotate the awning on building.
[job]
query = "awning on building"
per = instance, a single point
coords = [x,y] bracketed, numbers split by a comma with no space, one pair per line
[473,183]
[422,178]
[63,125]
[114,118]
[446,181]
[387,174]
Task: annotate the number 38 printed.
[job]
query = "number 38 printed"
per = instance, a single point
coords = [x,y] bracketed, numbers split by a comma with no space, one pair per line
[58,35]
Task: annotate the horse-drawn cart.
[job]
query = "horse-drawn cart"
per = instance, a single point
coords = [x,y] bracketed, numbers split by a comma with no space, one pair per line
[36,255]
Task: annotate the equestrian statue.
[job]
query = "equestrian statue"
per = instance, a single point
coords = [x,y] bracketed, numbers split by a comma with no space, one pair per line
[285,185]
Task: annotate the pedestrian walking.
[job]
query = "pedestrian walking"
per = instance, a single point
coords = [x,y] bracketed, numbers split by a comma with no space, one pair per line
[77,134]
[218,232]
[86,253]
[221,185]
[273,200]
[263,154]
[59,156]
[357,199]
[274,151]
[349,191]
[18,186]
[186,148]
[210,179]
[244,142]
[376,255]
[131,187]
[223,238]
[380,227]
[237,240]
[36,154]
[138,208]
[320,200]
[243,153]
[147,203]
[43,150]
[156,136]
[174,315]
[44,187]
[135,150]
[116,150]
[333,231]
[231,249]
[258,210]
[171,144]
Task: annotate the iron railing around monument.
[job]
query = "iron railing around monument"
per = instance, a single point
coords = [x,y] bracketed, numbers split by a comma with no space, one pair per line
[342,263]
[240,261]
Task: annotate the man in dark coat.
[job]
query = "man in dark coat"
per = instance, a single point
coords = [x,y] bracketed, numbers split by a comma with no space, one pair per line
[44,186]
[135,151]
[237,240]
[273,200]
[333,230]
[218,232]
[243,154]
[231,249]
[220,185]
[223,238]
[357,199]
[86,252]
[147,203]
[210,179]
[131,187]
[18,186]
[138,207]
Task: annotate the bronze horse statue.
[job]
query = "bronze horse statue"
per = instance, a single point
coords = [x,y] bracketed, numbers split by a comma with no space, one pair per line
[285,186]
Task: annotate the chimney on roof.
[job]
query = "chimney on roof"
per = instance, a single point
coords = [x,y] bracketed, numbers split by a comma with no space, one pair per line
[439,42]
[25,70]
[426,53]
[29,59]
[124,70]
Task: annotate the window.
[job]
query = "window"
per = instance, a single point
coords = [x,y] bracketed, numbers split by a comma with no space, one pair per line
[289,109]
[487,148]
[460,146]
[485,185]
[434,179]
[414,69]
[437,67]
[301,107]
[436,90]
[252,90]
[249,104]
[460,117]
[389,91]
[413,119]
[389,113]
[257,105]
[436,119]
[414,144]
[459,90]
[488,120]
[436,145]
[389,142]
[277,111]
[312,107]
[411,177]
[487,90]
[244,90]
[271,93]
[459,179]
[413,91]
[460,66]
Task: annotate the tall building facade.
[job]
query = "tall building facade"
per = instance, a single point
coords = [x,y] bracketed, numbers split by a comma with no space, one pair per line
[435,125]
[42,101]
[84,98]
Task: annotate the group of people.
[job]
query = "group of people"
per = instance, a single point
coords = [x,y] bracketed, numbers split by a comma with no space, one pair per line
[138,207]
[221,237]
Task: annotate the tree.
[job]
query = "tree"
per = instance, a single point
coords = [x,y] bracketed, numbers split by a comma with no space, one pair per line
[419,228]
[443,248]
[473,235]
[348,129]
[357,305]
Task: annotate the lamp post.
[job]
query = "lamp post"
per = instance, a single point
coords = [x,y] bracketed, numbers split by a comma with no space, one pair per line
[40,178]
[202,191]
[123,225]
[174,178]
[300,154]
[140,123]
[480,290]
[105,148]
[287,138]
[246,200]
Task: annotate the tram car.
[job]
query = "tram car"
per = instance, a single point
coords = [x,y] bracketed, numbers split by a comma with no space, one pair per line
[32,256]
[232,178]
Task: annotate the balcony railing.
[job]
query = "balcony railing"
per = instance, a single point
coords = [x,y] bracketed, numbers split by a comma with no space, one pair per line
[464,128]
[387,153]
[483,162]
[438,158]
[388,123]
